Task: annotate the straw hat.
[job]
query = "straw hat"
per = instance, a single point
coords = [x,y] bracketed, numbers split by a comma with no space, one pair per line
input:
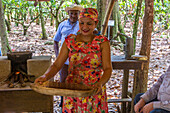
[74,7]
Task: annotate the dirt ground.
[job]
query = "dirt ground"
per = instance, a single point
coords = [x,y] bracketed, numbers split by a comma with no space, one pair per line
[159,57]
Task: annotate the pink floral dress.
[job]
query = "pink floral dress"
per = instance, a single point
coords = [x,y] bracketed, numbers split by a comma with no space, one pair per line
[85,67]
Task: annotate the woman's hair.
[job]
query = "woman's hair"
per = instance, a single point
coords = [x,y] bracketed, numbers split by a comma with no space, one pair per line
[90,13]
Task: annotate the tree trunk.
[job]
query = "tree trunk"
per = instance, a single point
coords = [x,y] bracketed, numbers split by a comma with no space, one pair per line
[101,8]
[121,29]
[77,2]
[51,20]
[125,17]
[115,18]
[56,20]
[135,27]
[3,31]
[141,78]
[37,20]
[8,20]
[44,35]
[16,16]
[31,14]
[107,16]
[25,28]
[146,38]
[8,25]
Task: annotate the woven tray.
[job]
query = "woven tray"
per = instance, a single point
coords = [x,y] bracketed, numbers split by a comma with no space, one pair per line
[63,89]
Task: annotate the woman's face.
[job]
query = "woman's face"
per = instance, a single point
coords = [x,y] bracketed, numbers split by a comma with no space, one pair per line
[87,25]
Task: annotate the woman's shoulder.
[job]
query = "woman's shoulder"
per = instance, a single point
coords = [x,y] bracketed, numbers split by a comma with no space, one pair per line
[71,36]
[101,38]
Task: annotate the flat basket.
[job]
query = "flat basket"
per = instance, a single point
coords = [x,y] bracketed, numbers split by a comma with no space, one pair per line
[63,89]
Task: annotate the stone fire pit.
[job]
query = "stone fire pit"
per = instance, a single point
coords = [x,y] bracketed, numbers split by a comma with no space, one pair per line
[35,66]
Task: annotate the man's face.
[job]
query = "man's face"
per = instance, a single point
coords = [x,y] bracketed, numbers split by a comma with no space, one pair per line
[73,15]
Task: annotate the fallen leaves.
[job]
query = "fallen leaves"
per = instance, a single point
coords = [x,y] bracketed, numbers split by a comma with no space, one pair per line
[159,57]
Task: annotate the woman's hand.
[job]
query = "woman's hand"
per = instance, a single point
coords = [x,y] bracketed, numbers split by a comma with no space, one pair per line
[98,88]
[41,79]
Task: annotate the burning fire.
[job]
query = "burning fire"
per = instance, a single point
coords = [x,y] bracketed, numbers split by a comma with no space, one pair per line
[17,73]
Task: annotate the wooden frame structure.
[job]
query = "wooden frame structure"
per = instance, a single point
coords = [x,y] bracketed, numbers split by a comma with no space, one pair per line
[145,48]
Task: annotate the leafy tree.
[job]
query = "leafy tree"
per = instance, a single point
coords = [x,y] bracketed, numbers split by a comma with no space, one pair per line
[145,48]
[44,35]
[162,14]
[135,26]
[56,11]
[3,31]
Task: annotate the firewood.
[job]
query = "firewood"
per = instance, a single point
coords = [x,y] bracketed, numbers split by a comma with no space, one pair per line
[21,80]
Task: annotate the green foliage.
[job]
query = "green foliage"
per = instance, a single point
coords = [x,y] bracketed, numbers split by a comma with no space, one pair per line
[162,13]
[129,8]
[21,8]
[89,3]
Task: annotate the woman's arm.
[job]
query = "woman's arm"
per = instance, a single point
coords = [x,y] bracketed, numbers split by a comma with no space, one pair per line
[56,66]
[106,63]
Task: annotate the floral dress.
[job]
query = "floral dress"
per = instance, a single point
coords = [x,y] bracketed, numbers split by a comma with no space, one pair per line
[85,67]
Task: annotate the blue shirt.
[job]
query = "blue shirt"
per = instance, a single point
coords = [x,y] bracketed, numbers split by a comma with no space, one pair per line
[0,51]
[65,29]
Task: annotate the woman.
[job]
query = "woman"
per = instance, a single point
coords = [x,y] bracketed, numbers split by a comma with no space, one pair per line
[89,64]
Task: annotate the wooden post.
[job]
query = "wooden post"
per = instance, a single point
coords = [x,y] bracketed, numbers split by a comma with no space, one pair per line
[129,48]
[107,16]
[125,89]
[136,81]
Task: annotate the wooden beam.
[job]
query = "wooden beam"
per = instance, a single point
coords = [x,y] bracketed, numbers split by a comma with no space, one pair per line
[119,100]
[107,16]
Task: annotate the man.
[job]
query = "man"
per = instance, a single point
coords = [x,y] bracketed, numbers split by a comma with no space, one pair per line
[157,98]
[67,27]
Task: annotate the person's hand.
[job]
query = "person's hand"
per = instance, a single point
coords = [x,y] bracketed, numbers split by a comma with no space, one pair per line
[139,105]
[98,88]
[147,108]
[41,79]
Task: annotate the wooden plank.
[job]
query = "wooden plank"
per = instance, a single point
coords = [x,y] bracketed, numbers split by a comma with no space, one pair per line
[119,62]
[127,65]
[25,101]
[6,88]
[119,100]
[125,89]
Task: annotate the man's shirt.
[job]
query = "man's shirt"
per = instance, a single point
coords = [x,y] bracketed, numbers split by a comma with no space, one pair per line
[65,29]
[0,51]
